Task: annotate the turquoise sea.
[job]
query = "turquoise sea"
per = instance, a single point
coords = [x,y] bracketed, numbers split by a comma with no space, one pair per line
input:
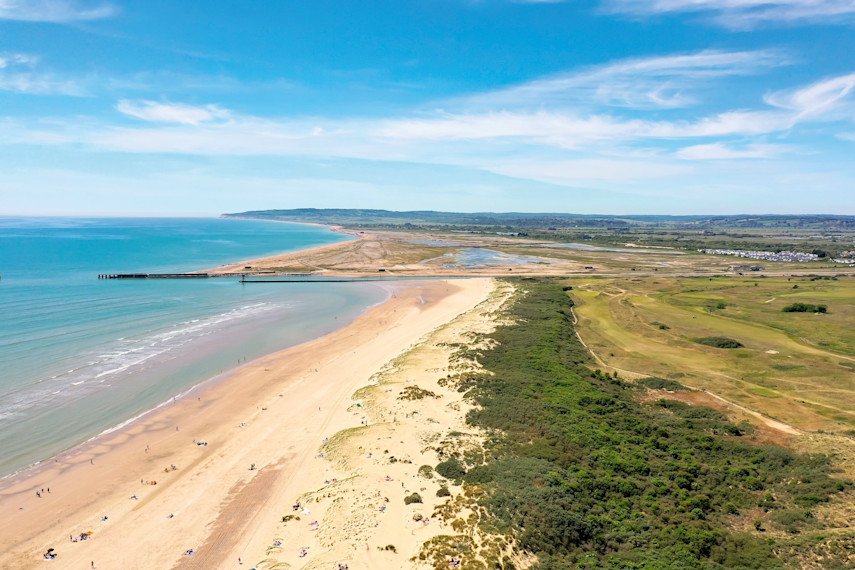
[79,355]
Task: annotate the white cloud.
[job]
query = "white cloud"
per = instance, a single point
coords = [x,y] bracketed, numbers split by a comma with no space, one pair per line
[720,151]
[815,99]
[35,84]
[745,14]
[643,83]
[571,131]
[13,59]
[171,112]
[31,82]
[53,10]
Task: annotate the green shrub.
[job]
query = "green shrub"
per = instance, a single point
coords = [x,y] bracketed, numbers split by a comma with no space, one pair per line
[426,471]
[416,393]
[414,498]
[443,492]
[451,468]
[719,342]
[805,308]
[655,383]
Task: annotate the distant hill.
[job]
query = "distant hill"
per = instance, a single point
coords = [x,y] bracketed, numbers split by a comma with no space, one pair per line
[544,220]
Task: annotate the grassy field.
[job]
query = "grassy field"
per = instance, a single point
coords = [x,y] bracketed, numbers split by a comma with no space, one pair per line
[796,367]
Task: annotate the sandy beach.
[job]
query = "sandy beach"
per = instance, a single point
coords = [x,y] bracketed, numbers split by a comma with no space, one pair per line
[243,449]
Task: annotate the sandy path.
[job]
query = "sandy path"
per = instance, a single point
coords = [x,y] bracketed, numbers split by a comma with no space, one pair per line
[273,412]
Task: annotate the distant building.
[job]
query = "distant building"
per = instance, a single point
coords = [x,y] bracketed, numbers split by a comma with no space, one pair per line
[765,255]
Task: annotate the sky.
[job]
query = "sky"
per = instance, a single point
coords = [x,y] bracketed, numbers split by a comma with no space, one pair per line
[175,107]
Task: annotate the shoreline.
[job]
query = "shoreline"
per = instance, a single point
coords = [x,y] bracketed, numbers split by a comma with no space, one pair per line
[221,402]
[86,439]
[201,386]
[201,383]
[239,265]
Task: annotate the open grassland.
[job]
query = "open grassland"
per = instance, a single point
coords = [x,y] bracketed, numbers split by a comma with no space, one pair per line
[796,367]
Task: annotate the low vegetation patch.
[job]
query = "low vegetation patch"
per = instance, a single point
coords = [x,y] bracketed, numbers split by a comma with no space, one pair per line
[655,383]
[416,393]
[719,342]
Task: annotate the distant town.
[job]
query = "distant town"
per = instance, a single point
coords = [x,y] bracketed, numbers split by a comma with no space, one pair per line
[779,256]
[765,255]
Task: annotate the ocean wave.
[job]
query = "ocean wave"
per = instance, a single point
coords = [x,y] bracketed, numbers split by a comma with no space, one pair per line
[122,357]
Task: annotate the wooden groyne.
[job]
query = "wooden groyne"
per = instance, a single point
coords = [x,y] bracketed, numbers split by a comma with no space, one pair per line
[242,275]
[154,276]
[315,280]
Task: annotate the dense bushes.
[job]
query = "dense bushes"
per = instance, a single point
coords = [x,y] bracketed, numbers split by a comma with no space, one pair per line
[584,475]
[805,308]
[451,468]
[655,383]
[719,342]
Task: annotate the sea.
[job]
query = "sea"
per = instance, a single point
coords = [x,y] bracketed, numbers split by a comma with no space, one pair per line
[80,356]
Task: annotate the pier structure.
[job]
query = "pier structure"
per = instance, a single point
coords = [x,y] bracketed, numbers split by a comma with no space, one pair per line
[154,275]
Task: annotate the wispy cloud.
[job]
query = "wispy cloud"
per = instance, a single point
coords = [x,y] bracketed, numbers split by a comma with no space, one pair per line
[744,14]
[18,76]
[572,131]
[818,98]
[720,151]
[640,83]
[565,144]
[53,10]
[13,59]
[165,112]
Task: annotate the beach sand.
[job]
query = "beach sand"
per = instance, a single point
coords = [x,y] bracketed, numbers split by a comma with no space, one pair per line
[274,413]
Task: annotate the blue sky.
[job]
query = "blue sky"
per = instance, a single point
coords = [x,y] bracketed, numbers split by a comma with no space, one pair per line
[601,106]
